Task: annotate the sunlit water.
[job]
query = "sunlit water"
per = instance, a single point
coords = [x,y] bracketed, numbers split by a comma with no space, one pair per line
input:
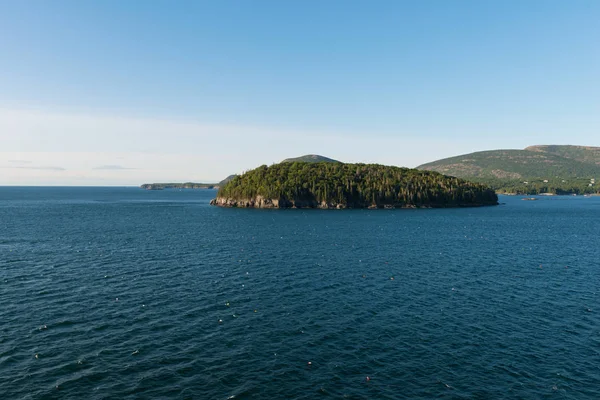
[125,293]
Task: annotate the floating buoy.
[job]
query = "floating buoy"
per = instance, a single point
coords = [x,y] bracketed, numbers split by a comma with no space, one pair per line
[309,363]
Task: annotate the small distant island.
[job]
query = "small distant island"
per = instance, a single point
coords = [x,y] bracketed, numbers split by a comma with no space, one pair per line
[186,185]
[336,185]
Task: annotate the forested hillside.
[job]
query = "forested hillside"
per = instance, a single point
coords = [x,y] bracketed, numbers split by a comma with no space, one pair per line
[537,169]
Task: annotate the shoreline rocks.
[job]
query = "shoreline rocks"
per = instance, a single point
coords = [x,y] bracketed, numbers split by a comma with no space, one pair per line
[261,202]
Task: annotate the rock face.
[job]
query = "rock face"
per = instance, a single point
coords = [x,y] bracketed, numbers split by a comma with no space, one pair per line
[261,202]
[257,202]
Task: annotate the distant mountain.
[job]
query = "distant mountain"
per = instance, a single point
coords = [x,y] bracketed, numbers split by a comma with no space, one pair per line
[311,158]
[542,168]
[585,154]
[224,181]
[512,164]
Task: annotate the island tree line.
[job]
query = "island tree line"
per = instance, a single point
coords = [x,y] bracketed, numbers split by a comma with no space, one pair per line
[356,185]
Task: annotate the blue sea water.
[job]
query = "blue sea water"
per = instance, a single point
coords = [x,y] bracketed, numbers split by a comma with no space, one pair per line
[121,293]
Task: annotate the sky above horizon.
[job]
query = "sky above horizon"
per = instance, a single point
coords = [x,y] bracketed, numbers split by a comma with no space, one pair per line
[126,92]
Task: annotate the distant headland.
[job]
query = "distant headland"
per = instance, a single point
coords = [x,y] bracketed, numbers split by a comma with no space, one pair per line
[336,185]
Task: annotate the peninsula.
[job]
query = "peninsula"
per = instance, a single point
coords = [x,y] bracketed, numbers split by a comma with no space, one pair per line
[330,185]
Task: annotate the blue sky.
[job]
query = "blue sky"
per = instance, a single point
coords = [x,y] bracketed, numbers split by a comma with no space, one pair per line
[163,90]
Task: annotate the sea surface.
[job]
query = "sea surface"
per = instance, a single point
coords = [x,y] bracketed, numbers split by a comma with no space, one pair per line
[121,293]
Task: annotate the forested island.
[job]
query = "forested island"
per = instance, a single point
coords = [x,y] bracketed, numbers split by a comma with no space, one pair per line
[338,185]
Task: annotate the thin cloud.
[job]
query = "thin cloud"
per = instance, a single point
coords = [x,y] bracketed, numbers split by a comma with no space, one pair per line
[41,168]
[113,167]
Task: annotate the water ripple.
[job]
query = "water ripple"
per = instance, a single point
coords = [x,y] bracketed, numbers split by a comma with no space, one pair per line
[122,293]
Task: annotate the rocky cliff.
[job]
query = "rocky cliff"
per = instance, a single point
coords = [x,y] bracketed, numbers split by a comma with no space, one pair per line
[261,202]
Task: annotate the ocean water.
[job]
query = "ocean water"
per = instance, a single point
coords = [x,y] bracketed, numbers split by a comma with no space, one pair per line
[121,293]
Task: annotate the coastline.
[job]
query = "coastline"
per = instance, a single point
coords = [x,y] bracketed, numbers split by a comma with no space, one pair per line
[266,203]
